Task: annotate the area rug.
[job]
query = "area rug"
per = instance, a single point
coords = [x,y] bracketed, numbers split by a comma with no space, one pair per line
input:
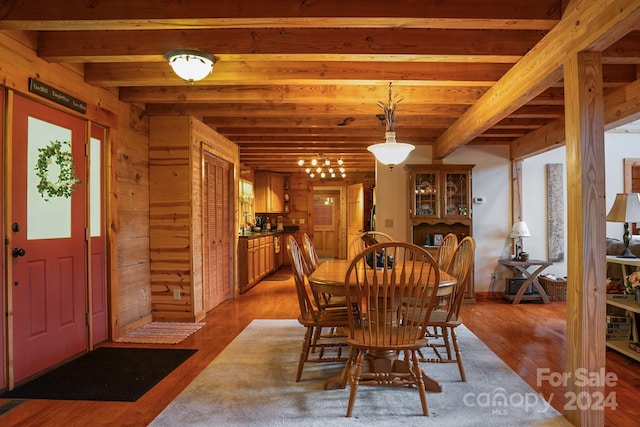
[108,374]
[161,333]
[252,383]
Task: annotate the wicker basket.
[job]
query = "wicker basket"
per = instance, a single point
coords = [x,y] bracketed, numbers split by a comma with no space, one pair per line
[556,289]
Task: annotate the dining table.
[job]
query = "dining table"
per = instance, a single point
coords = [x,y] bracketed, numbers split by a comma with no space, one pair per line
[329,278]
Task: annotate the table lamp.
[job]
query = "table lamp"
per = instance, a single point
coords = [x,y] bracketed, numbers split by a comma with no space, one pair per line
[626,208]
[518,231]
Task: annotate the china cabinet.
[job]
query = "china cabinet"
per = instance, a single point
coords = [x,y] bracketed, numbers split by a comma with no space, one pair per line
[440,203]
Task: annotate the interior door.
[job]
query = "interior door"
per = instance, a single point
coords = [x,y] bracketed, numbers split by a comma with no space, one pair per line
[47,239]
[355,211]
[326,224]
[218,222]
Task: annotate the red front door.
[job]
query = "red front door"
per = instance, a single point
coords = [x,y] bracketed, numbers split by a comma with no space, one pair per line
[47,238]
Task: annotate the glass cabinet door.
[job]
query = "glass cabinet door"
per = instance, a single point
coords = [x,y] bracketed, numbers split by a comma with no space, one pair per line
[425,194]
[456,195]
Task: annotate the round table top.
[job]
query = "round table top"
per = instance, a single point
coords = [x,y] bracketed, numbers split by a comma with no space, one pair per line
[329,278]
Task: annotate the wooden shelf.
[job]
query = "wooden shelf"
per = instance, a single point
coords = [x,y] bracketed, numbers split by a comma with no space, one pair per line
[629,305]
[622,346]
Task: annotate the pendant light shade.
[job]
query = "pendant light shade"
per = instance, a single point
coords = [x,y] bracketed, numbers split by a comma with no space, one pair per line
[390,152]
[190,65]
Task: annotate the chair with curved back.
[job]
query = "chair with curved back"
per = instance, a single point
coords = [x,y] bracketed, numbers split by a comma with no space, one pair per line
[377,330]
[368,238]
[310,254]
[444,321]
[313,317]
[445,251]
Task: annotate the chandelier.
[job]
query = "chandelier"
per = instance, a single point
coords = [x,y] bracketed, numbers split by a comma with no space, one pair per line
[390,152]
[323,167]
[191,65]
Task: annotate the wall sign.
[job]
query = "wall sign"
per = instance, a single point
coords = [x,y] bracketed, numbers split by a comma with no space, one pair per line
[56,96]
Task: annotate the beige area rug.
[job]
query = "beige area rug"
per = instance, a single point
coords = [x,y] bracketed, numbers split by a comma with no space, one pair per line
[252,383]
[161,333]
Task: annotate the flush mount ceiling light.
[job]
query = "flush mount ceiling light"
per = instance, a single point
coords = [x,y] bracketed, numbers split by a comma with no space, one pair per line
[390,152]
[322,167]
[191,65]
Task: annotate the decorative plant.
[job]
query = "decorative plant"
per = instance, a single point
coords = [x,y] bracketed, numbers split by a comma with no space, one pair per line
[63,186]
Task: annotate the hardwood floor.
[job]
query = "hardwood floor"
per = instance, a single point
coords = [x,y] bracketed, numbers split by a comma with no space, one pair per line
[525,336]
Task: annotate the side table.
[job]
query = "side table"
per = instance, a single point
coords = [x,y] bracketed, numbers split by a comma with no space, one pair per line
[522,267]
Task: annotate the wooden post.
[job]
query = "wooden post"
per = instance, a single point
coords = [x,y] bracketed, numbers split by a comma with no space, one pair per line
[586,266]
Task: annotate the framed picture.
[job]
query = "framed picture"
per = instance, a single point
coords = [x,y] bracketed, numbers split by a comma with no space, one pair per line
[437,239]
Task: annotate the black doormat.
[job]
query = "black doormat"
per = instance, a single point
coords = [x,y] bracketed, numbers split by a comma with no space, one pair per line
[108,373]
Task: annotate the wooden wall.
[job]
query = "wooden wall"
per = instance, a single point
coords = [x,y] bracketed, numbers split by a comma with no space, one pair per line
[175,158]
[132,298]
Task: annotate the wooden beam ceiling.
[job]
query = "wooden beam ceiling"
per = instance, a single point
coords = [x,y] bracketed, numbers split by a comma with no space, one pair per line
[297,78]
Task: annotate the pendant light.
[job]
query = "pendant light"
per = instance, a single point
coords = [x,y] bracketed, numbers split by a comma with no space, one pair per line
[390,152]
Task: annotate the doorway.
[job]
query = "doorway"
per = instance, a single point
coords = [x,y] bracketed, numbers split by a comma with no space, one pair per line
[632,183]
[329,221]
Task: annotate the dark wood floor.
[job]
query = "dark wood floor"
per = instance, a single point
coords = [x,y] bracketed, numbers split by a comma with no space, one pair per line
[525,336]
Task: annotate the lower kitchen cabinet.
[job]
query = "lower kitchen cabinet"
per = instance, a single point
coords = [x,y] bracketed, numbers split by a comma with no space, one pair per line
[256,259]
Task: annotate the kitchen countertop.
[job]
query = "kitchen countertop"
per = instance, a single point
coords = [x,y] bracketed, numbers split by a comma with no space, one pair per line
[255,234]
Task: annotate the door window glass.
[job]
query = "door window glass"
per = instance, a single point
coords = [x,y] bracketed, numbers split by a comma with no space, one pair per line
[47,217]
[95,187]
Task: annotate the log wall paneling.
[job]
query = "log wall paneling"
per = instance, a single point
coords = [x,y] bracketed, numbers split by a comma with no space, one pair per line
[176,214]
[130,301]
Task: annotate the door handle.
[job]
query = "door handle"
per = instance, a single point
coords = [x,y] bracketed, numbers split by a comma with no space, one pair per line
[16,252]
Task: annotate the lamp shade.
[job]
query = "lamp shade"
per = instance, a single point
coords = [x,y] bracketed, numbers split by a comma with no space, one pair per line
[519,229]
[626,208]
[391,152]
[190,65]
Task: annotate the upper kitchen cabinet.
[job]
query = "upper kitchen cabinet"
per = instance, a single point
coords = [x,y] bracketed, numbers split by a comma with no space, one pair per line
[269,192]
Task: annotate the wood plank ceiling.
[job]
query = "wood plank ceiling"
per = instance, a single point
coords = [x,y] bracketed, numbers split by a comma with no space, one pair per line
[295,79]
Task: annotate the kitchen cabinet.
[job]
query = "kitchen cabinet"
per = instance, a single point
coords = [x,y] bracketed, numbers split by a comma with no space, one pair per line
[440,203]
[256,259]
[269,192]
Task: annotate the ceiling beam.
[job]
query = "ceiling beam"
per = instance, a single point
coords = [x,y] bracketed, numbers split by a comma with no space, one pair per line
[620,107]
[596,26]
[128,15]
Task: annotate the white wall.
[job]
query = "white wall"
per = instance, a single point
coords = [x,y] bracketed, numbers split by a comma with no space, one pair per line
[618,146]
[491,220]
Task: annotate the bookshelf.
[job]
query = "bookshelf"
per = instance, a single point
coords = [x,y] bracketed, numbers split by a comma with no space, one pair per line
[623,306]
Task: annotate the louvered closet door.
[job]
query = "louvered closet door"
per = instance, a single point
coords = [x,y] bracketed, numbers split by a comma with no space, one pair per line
[217,280]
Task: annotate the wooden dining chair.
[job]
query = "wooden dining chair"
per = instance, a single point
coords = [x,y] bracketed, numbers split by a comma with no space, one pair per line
[377,330]
[444,253]
[314,318]
[310,254]
[366,239]
[443,321]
